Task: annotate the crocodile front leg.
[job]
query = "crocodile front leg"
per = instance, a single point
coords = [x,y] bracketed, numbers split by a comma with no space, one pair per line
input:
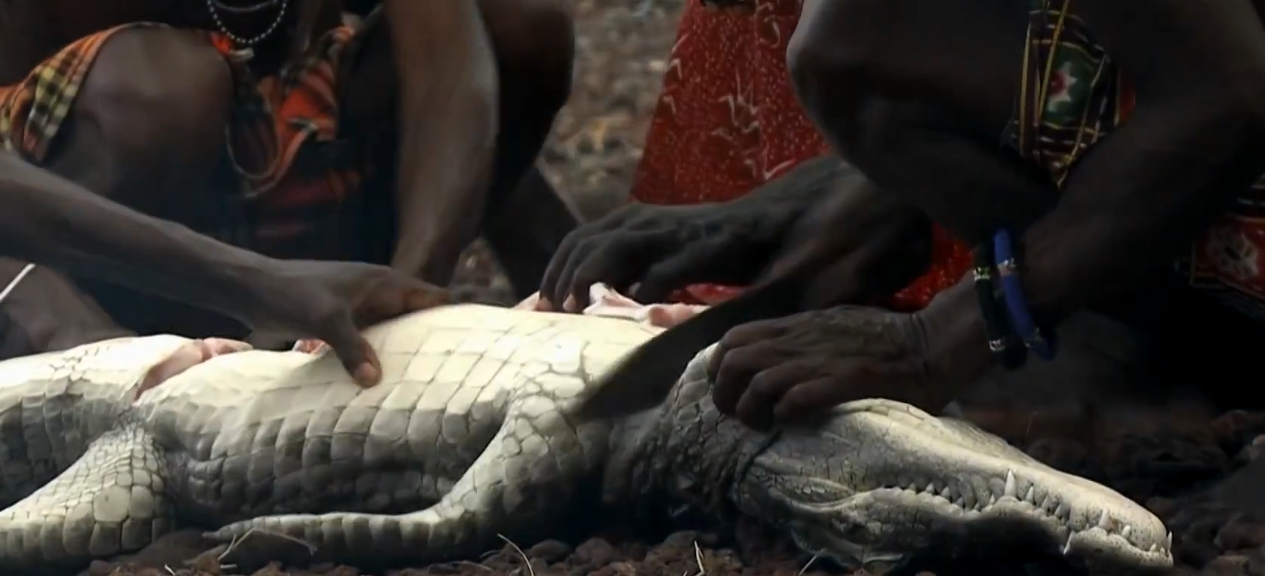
[110,501]
[518,487]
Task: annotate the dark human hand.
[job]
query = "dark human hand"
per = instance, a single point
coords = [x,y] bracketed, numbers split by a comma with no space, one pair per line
[854,244]
[660,248]
[332,301]
[781,371]
[664,248]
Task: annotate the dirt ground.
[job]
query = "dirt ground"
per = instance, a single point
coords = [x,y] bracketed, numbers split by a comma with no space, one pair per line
[597,142]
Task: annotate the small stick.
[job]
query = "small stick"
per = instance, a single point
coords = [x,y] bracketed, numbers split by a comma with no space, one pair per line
[530,570]
[807,564]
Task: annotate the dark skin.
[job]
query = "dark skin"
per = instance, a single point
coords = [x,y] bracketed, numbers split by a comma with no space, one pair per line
[157,100]
[662,248]
[1128,206]
[916,94]
[326,300]
[882,247]
[942,168]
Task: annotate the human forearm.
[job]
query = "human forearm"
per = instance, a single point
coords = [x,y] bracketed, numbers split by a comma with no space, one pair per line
[771,209]
[1138,199]
[1194,139]
[50,220]
[447,122]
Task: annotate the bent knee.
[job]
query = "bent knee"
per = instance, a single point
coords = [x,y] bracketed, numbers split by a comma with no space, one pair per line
[157,79]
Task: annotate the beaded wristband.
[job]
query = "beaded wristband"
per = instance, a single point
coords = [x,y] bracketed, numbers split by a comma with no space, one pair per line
[1001,341]
[1016,304]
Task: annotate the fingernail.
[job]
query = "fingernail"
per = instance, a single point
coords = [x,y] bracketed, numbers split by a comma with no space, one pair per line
[367,375]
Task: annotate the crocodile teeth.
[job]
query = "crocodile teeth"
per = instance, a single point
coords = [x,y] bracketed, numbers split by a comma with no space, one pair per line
[1127,530]
[945,493]
[1011,489]
[1031,496]
[1153,548]
[930,489]
[1104,520]
[1170,540]
[1067,548]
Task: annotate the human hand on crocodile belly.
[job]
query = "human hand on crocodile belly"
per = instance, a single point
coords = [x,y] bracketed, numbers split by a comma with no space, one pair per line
[663,248]
[332,301]
[647,251]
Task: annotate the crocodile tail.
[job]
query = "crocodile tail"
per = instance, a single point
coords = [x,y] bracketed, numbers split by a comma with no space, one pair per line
[645,377]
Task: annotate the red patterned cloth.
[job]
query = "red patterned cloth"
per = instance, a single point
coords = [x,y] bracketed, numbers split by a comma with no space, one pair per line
[728,121]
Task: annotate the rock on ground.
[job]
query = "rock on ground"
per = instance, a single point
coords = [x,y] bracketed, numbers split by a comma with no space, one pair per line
[679,554]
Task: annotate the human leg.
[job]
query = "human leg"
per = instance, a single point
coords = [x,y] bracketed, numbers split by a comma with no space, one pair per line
[533,52]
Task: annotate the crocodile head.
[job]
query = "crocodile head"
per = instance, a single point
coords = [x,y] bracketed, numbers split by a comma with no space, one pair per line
[881,483]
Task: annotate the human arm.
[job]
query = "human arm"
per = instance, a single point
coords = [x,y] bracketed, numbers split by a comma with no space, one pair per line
[52,221]
[664,248]
[1129,204]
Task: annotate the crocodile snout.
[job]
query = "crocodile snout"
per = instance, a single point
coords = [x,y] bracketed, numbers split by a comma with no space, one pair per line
[882,482]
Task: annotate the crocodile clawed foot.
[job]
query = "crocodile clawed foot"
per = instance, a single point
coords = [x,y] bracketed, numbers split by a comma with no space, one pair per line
[254,550]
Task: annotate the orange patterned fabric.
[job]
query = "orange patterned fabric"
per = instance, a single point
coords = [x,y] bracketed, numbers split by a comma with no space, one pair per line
[32,111]
[277,117]
[728,121]
[274,118]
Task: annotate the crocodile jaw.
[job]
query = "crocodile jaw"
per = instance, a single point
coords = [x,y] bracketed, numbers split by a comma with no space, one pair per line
[882,482]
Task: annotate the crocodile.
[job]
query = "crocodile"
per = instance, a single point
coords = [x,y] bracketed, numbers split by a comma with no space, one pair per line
[469,439]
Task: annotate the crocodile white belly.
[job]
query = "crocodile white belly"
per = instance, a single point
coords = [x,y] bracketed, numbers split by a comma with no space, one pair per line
[468,437]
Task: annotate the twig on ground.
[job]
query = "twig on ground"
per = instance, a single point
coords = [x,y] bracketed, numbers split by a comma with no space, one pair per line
[698,559]
[807,564]
[530,570]
[232,544]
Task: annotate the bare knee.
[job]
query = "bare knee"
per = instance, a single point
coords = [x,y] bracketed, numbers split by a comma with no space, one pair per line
[534,42]
[150,85]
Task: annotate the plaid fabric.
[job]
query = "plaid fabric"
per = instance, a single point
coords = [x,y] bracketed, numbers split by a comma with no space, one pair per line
[1072,96]
[278,122]
[32,111]
[1069,90]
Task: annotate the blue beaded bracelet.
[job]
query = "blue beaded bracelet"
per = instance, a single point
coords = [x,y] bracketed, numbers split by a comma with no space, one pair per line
[1016,304]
